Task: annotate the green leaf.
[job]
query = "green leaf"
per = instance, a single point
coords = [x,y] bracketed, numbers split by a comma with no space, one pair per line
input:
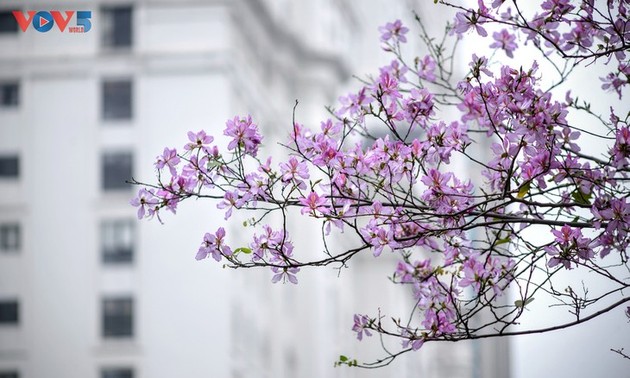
[523,190]
[521,304]
[312,184]
[581,198]
[243,249]
[343,358]
[214,164]
[502,241]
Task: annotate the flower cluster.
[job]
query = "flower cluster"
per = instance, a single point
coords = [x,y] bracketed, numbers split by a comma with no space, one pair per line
[214,244]
[570,245]
[386,170]
[588,31]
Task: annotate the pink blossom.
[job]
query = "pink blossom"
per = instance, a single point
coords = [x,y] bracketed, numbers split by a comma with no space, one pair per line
[213,244]
[394,31]
[621,150]
[244,135]
[426,68]
[411,340]
[354,104]
[169,159]
[465,21]
[571,244]
[618,216]
[295,172]
[419,105]
[505,41]
[330,128]
[198,140]
[271,242]
[313,203]
[387,87]
[145,200]
[396,70]
[285,274]
[230,201]
[387,167]
[361,326]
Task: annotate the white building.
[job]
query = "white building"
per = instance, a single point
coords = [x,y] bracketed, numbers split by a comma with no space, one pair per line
[85,290]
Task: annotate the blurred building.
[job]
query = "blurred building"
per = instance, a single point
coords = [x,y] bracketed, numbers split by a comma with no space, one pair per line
[86,291]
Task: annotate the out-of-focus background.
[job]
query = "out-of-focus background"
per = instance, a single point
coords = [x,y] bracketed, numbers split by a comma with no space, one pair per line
[87,291]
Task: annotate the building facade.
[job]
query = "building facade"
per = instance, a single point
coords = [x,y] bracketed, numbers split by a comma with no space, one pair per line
[85,289]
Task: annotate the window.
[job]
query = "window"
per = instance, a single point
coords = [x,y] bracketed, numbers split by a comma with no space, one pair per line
[9,374]
[116,168]
[9,94]
[8,23]
[116,25]
[117,237]
[9,312]
[117,100]
[9,237]
[116,373]
[117,317]
[9,167]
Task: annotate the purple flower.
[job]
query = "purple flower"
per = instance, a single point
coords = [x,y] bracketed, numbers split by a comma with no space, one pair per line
[213,244]
[570,243]
[387,86]
[411,340]
[464,21]
[504,40]
[144,201]
[255,187]
[379,237]
[617,215]
[313,203]
[393,30]
[284,274]
[566,234]
[231,200]
[418,105]
[198,140]
[294,171]
[361,326]
[331,129]
[557,7]
[621,150]
[426,68]
[354,104]
[396,70]
[169,159]
[475,274]
[244,135]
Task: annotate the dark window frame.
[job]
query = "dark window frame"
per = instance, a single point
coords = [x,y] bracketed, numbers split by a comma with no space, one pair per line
[117,241]
[117,372]
[117,99]
[116,169]
[117,27]
[9,166]
[117,317]
[8,23]
[9,94]
[10,237]
[9,312]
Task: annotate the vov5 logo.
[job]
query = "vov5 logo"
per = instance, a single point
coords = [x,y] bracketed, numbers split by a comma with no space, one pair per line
[43,21]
